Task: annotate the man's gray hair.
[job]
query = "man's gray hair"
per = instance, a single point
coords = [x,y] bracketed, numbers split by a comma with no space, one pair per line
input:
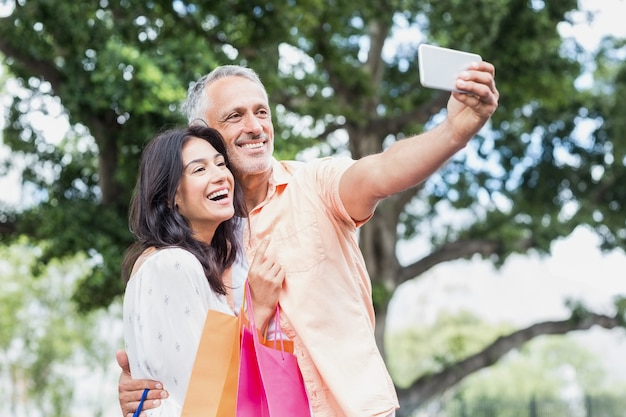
[197,102]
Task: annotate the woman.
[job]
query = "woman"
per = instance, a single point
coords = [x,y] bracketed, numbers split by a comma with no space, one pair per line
[182,215]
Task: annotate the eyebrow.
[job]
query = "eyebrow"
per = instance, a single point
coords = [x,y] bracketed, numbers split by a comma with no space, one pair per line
[200,160]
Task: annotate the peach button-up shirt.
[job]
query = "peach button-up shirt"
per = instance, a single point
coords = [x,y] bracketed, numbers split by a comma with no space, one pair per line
[327,295]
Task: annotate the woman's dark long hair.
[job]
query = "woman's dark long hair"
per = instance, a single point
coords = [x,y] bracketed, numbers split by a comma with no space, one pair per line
[155,222]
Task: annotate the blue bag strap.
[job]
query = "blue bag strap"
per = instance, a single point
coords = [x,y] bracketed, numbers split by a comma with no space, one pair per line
[143,398]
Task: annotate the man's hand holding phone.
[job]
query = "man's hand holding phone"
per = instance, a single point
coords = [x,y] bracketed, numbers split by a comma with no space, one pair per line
[439,67]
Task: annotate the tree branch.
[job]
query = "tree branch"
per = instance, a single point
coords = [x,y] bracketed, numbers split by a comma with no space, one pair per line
[7,227]
[382,127]
[428,386]
[462,249]
[36,67]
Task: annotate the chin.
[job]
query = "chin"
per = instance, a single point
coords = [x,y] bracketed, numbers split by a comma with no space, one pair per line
[257,166]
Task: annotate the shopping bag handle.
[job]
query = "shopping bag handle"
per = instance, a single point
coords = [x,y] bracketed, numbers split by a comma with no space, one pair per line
[252,322]
[140,406]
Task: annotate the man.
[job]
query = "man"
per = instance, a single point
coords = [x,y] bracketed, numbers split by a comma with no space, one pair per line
[312,212]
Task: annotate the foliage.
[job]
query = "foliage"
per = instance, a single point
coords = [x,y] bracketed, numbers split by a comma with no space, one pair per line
[546,367]
[424,350]
[42,338]
[589,406]
[549,368]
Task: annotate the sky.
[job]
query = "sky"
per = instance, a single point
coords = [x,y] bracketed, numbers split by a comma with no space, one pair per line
[607,21]
[525,289]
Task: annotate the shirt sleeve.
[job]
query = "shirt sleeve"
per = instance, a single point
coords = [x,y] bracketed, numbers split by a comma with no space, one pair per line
[165,306]
[327,174]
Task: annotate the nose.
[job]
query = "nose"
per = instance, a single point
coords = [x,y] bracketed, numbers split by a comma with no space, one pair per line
[218,174]
[253,125]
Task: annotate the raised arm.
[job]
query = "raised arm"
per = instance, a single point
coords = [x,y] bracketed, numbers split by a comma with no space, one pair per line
[411,161]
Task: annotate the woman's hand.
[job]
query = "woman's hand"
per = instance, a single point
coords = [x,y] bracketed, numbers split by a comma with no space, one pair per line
[266,278]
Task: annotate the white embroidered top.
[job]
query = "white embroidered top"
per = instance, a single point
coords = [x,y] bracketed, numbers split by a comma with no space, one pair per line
[165,305]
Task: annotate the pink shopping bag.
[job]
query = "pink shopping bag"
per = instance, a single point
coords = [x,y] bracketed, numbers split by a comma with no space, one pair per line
[270,382]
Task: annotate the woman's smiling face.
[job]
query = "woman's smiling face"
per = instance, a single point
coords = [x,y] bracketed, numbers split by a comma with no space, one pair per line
[206,190]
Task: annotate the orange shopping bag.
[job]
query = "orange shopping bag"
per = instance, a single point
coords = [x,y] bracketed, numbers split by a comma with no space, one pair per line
[212,390]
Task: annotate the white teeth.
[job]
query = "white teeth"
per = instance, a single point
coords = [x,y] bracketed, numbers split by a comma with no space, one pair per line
[217,194]
[252,145]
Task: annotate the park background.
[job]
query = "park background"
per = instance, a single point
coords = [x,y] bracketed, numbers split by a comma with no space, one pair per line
[565,63]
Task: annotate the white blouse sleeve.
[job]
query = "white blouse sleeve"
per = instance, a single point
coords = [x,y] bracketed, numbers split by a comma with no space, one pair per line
[165,306]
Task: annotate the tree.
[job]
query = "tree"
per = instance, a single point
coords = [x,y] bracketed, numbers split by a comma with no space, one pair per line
[341,80]
[43,341]
[558,369]
[463,364]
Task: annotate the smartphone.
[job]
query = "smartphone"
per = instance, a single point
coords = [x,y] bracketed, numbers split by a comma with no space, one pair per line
[440,67]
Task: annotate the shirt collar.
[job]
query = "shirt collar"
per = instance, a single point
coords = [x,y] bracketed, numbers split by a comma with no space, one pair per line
[280,175]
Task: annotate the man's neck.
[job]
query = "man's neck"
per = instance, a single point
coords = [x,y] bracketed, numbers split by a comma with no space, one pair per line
[255,188]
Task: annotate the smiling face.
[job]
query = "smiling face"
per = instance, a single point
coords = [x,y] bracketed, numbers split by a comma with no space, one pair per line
[206,190]
[239,110]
